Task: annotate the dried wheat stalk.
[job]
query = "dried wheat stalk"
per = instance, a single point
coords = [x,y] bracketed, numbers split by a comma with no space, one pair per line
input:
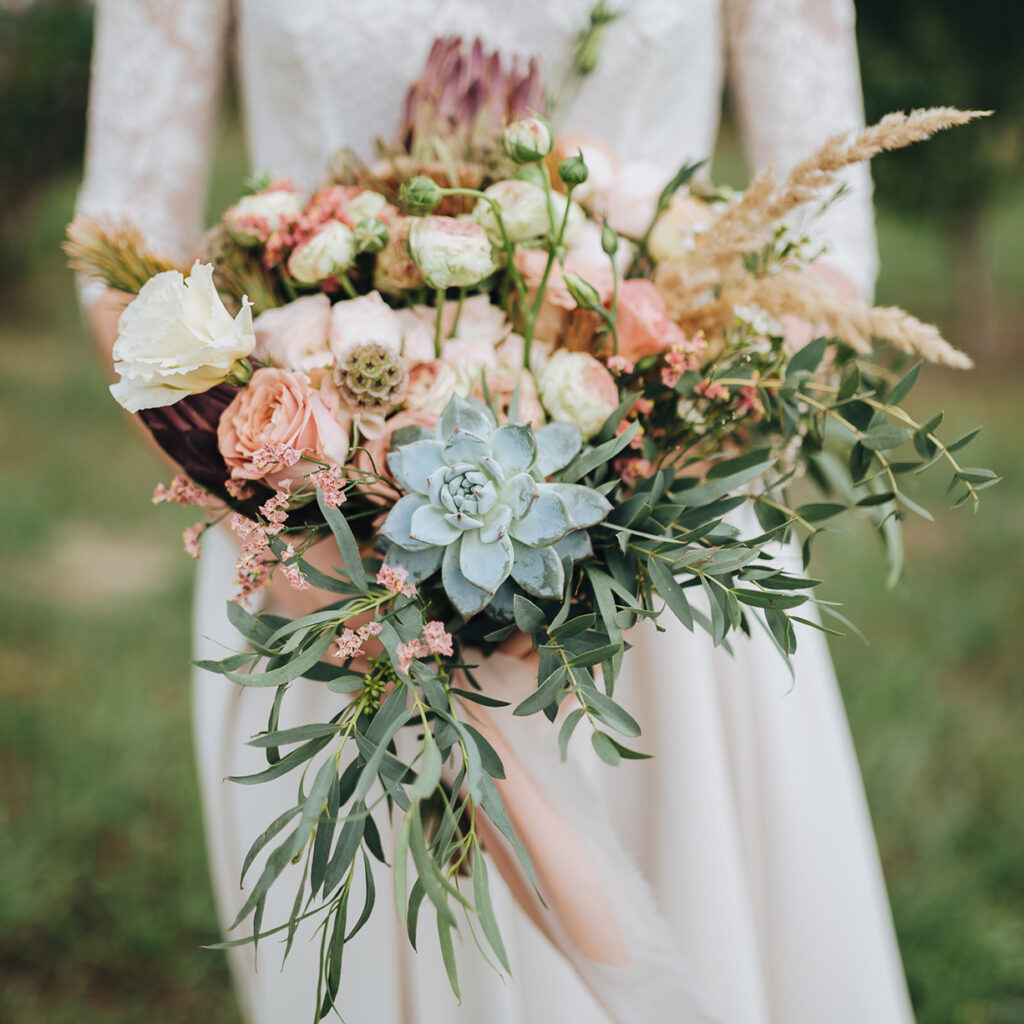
[113,253]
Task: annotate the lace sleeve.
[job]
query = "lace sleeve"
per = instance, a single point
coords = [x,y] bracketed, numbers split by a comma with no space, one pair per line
[157,70]
[795,77]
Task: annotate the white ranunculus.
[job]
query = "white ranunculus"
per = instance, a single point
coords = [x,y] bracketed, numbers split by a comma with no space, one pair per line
[576,388]
[450,253]
[524,212]
[176,339]
[366,204]
[326,254]
[253,218]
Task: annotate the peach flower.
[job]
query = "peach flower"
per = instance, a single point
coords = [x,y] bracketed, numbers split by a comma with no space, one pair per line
[282,407]
[431,384]
[644,327]
[295,337]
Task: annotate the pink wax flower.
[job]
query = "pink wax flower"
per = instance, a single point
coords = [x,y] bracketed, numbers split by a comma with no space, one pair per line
[393,579]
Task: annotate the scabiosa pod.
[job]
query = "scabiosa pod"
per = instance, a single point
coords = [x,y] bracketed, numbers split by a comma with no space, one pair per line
[479,507]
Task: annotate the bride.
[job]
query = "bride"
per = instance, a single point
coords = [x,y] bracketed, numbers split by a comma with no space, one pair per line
[733,877]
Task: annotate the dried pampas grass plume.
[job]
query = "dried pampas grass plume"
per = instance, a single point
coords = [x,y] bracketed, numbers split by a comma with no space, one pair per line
[113,253]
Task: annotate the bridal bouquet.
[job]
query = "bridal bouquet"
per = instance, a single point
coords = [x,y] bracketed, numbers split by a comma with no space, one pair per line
[518,405]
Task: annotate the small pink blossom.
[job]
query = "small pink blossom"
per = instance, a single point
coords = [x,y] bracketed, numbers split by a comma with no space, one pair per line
[437,639]
[393,578]
[275,511]
[182,490]
[331,483]
[712,390]
[276,453]
[638,437]
[750,403]
[619,364]
[294,576]
[632,470]
[643,407]
[407,653]
[238,489]
[350,642]
[191,539]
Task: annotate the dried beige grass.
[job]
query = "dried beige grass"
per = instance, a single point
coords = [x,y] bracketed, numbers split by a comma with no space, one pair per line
[702,289]
[113,253]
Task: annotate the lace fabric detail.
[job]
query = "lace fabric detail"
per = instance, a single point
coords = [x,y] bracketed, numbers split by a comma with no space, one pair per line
[157,72]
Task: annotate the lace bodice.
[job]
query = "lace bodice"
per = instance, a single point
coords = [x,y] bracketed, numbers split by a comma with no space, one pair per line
[322,73]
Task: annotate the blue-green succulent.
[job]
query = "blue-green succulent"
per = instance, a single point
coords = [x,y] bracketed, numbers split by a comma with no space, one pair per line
[480,509]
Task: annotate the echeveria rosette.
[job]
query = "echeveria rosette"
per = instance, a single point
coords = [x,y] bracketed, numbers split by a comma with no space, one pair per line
[479,507]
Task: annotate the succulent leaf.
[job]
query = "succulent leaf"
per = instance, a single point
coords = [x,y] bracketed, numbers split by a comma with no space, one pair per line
[431,525]
[397,527]
[412,464]
[514,447]
[420,565]
[586,506]
[557,445]
[547,521]
[467,598]
[538,570]
[486,565]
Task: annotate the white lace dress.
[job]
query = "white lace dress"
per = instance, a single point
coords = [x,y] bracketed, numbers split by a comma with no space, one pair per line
[739,864]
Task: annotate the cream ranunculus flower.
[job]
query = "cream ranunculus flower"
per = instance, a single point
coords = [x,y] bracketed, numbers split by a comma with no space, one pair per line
[325,254]
[176,339]
[253,218]
[450,253]
[524,212]
[576,388]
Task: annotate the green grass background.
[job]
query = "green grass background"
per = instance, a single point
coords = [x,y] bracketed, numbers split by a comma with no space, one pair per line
[104,898]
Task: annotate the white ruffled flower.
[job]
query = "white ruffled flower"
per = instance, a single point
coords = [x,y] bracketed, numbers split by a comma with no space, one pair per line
[576,388]
[450,253]
[254,217]
[326,254]
[524,212]
[177,339]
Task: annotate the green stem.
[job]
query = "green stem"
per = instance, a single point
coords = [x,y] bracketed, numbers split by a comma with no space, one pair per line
[438,325]
[458,313]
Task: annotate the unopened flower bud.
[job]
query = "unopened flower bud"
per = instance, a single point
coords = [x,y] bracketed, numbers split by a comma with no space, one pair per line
[371,235]
[421,195]
[528,139]
[573,170]
[609,240]
[327,253]
[584,293]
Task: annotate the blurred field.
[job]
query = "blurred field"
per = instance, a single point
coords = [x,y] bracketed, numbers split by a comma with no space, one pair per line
[104,899]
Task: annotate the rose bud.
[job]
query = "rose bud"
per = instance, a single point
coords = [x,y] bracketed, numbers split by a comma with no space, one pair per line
[450,253]
[528,139]
[584,293]
[524,212]
[371,235]
[421,195]
[609,240]
[325,254]
[573,170]
[254,218]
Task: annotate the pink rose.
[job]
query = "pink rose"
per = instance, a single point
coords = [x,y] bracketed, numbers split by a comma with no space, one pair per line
[368,318]
[282,407]
[430,386]
[644,327]
[295,336]
[396,270]
[633,197]
[551,321]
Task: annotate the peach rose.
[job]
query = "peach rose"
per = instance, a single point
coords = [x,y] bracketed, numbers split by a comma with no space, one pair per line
[431,384]
[282,407]
[644,327]
[295,337]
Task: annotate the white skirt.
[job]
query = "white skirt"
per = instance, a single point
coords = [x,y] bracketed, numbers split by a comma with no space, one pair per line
[749,825]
